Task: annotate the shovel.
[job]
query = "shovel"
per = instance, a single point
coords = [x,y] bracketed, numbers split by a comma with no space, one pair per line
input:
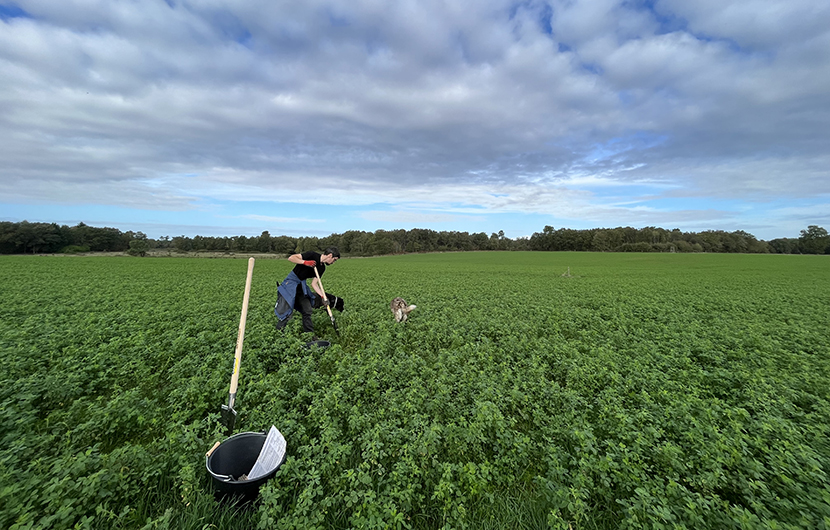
[328,308]
[228,412]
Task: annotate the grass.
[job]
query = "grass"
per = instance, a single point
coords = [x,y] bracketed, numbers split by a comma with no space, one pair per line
[647,390]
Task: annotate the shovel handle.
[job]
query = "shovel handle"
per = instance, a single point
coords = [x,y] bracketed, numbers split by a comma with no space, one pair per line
[320,283]
[241,336]
[328,308]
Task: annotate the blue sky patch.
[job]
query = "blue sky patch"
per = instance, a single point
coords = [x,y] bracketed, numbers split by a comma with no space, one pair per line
[8,12]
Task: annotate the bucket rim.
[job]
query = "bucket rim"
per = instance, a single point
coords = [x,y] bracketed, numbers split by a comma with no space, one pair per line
[228,479]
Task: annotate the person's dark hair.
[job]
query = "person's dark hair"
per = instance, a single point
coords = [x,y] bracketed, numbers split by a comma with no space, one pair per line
[333,251]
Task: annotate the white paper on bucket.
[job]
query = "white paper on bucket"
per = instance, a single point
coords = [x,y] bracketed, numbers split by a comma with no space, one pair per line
[270,455]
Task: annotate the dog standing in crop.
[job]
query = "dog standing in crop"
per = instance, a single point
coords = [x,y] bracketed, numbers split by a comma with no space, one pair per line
[400,309]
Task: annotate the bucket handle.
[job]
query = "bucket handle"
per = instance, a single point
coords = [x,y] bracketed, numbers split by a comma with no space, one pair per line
[212,449]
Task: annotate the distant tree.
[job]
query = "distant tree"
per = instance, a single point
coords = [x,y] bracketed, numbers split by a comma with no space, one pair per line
[656,235]
[346,241]
[265,242]
[520,243]
[139,247]
[710,240]
[38,237]
[399,236]
[784,245]
[284,244]
[307,243]
[494,241]
[243,243]
[603,241]
[814,240]
[480,241]
[422,240]
[29,237]
[382,243]
[676,235]
[7,233]
[182,243]
[162,242]
[361,244]
[331,240]
[52,237]
[682,245]
[502,240]
[80,235]
[543,240]
[573,240]
[129,235]
[641,246]
[106,240]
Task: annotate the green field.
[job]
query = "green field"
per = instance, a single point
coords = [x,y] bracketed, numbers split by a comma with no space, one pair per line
[642,391]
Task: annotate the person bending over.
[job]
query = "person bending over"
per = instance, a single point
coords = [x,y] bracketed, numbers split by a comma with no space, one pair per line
[294,293]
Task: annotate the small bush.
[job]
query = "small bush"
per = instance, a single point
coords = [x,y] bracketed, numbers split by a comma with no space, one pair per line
[74,249]
[138,247]
[636,247]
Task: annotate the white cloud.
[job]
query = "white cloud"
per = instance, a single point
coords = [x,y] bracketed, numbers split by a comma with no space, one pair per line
[445,104]
[407,218]
[763,24]
[272,219]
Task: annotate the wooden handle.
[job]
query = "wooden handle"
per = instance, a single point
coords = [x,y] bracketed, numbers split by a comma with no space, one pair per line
[212,449]
[241,336]
[320,283]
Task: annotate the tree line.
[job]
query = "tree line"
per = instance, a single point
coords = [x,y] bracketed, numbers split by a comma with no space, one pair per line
[47,238]
[33,238]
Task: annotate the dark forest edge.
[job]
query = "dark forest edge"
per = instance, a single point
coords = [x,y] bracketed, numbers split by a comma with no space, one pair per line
[50,238]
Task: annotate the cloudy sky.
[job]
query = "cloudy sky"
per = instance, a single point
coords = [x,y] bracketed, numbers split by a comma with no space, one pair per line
[230,117]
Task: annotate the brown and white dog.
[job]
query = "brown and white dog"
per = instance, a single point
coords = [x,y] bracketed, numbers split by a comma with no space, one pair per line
[400,309]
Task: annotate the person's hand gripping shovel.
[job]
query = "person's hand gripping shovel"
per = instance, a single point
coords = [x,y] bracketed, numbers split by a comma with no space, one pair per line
[326,302]
[228,412]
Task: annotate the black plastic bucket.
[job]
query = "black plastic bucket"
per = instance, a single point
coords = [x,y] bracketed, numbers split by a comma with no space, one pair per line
[233,458]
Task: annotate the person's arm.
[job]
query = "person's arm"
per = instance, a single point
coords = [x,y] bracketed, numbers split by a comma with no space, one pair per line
[317,289]
[297,259]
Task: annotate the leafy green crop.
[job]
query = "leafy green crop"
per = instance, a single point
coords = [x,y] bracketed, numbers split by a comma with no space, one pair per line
[639,391]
